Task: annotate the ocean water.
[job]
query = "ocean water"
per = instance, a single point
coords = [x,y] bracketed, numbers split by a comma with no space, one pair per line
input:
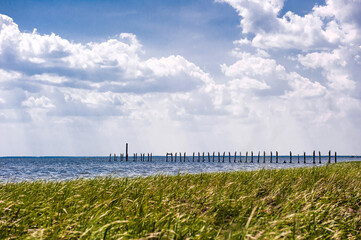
[14,169]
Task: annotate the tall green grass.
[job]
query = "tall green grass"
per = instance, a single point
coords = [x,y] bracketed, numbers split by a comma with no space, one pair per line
[303,203]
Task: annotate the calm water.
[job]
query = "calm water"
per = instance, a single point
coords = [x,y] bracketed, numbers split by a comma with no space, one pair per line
[14,169]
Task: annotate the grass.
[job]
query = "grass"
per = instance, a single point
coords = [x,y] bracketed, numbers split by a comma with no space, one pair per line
[301,203]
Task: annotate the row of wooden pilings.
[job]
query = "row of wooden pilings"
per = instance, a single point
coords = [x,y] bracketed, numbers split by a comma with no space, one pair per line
[122,157]
[235,158]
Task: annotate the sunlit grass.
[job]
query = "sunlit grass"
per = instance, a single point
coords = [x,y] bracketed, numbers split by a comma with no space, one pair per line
[303,203]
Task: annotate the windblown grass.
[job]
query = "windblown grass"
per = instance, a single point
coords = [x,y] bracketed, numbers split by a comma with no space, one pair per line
[302,203]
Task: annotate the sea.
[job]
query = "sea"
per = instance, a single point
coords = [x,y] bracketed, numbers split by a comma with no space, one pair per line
[16,169]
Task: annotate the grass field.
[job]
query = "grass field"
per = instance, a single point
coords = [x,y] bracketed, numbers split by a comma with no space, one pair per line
[301,203]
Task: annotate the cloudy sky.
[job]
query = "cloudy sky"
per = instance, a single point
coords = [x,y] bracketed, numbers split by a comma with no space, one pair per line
[85,77]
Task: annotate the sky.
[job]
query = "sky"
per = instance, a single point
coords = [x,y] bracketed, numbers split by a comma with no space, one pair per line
[82,78]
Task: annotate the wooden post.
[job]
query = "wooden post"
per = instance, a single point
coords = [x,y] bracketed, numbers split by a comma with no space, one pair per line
[304,157]
[199,156]
[290,157]
[329,156]
[235,156]
[121,157]
[135,159]
[126,152]
[219,157]
[264,156]
[335,157]
[151,157]
[240,156]
[298,158]
[148,157]
[246,157]
[229,156]
[171,157]
[209,157]
[224,153]
[110,157]
[319,157]
[175,157]
[276,156]
[258,157]
[251,156]
[193,157]
[271,157]
[184,157]
[313,158]
[213,157]
[203,157]
[166,157]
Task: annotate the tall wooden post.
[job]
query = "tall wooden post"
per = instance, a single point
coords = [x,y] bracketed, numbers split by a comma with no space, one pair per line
[290,157]
[224,153]
[213,157]
[246,157]
[276,156]
[166,157]
[264,156]
[240,156]
[235,156]
[110,157]
[271,158]
[335,157]
[258,157]
[175,157]
[193,157]
[219,157]
[229,156]
[171,157]
[329,157]
[319,157]
[209,157]
[199,156]
[184,157]
[148,157]
[126,152]
[313,157]
[203,157]
[298,158]
[304,157]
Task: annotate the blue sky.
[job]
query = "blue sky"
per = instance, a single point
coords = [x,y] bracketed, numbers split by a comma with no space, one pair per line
[179,76]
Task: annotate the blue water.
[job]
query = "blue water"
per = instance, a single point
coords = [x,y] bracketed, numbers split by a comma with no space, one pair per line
[13,169]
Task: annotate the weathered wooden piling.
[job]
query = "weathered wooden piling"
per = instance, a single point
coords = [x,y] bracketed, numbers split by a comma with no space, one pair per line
[171,157]
[251,156]
[175,157]
[151,157]
[335,157]
[110,157]
[193,157]
[203,157]
[224,154]
[313,157]
[126,152]
[329,157]
[246,157]
[276,156]
[209,157]
[264,156]
[219,157]
[258,157]
[229,156]
[298,158]
[184,157]
[213,157]
[199,156]
[240,156]
[304,157]
[271,157]
[290,157]
[319,157]
[148,157]
[166,157]
[235,156]
[135,157]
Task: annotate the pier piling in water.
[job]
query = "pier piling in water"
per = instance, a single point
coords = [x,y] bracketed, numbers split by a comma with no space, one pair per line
[235,156]
[276,156]
[313,157]
[246,157]
[290,157]
[229,156]
[304,157]
[335,157]
[319,157]
[126,152]
[329,157]
[224,154]
[264,156]
[251,156]
[209,157]
[258,157]
[271,157]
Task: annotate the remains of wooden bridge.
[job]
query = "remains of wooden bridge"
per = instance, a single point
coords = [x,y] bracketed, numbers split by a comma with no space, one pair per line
[170,157]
